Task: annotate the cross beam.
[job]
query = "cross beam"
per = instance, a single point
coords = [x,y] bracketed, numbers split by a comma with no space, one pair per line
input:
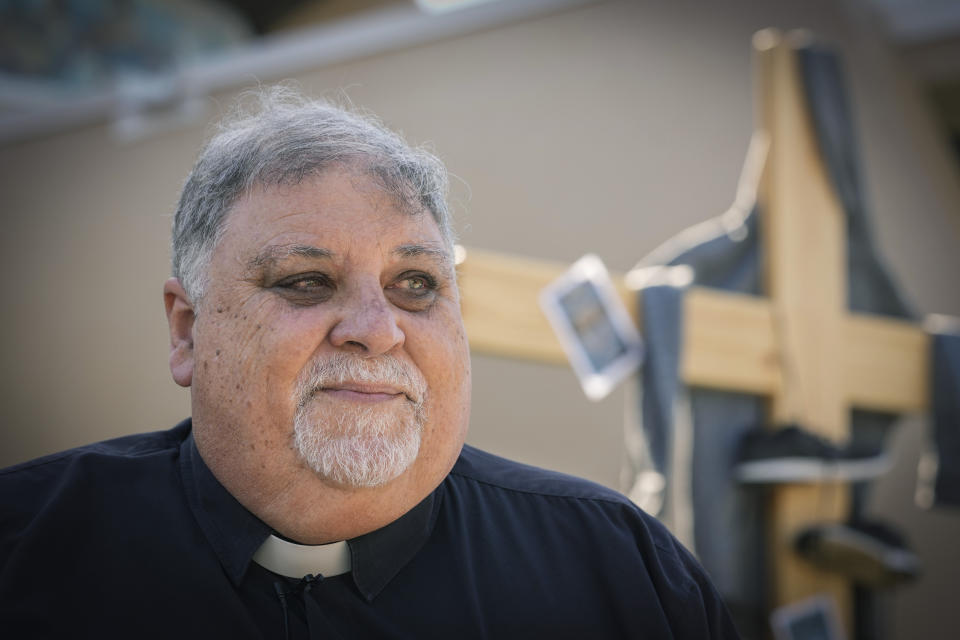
[730,339]
[797,346]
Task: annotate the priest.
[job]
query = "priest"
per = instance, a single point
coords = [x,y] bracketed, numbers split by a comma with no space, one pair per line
[321,487]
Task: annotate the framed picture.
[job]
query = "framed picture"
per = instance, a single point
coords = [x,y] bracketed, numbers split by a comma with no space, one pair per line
[811,619]
[593,326]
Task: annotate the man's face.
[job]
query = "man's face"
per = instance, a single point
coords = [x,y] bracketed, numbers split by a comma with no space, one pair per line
[330,337]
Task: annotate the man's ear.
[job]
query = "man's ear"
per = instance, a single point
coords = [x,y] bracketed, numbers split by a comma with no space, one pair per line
[180,317]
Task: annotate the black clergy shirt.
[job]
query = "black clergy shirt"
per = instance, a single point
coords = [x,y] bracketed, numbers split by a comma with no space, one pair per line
[136,538]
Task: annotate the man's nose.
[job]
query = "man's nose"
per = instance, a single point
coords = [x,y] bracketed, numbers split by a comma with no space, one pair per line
[367,322]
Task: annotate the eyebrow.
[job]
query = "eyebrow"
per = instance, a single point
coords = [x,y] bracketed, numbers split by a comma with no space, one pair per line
[273,254]
[435,252]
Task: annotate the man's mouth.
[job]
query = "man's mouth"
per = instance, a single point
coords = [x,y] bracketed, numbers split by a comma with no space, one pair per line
[358,381]
[364,392]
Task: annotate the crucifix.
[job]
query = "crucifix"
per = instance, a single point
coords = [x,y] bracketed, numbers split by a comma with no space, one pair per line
[797,345]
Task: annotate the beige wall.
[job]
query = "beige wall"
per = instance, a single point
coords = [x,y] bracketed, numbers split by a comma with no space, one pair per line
[606,128]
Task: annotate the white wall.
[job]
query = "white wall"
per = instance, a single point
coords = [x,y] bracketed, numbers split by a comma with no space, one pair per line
[606,128]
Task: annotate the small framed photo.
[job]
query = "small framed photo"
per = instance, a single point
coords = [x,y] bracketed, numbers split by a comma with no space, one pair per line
[811,619]
[593,326]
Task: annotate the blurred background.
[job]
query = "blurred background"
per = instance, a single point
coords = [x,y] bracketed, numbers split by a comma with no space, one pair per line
[572,126]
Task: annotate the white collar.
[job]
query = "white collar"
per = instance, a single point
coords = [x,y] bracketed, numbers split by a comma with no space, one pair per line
[297,560]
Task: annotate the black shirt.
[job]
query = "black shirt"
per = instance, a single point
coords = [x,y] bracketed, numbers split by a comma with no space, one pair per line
[135,537]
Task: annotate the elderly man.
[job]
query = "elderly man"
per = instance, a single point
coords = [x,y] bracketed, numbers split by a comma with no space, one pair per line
[321,488]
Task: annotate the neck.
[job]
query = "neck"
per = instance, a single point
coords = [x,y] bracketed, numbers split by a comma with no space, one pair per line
[301,506]
[310,511]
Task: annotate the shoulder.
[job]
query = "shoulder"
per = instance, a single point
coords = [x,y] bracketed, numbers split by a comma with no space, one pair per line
[546,495]
[84,477]
[122,448]
[596,534]
[475,465]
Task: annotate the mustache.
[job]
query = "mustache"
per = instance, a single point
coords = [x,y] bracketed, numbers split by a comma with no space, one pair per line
[342,368]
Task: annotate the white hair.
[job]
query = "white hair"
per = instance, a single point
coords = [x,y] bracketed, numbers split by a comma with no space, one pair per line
[364,446]
[284,139]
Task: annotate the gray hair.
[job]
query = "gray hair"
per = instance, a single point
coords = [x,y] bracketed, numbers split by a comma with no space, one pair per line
[284,139]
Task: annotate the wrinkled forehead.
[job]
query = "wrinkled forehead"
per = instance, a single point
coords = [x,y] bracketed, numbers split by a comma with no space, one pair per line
[329,213]
[364,176]
[369,174]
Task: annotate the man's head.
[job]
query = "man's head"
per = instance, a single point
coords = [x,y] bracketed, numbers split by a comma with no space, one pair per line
[282,140]
[314,311]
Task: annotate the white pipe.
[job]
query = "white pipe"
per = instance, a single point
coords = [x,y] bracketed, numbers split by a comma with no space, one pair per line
[268,59]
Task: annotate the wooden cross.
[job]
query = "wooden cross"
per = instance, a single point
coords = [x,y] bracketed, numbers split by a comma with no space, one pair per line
[799,345]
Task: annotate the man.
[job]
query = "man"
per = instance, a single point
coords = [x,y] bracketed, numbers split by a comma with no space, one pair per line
[322,488]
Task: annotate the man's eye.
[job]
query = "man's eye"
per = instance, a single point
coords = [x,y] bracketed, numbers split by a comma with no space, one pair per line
[416,283]
[413,292]
[305,288]
[306,284]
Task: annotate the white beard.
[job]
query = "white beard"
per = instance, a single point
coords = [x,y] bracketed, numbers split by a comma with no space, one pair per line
[361,446]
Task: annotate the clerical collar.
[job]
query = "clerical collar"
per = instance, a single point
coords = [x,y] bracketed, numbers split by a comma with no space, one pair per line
[297,560]
[236,535]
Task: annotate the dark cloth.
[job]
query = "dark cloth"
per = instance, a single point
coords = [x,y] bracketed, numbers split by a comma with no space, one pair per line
[134,537]
[726,253]
[873,288]
[944,485]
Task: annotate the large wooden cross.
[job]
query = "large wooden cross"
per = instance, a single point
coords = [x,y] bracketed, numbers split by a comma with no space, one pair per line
[799,345]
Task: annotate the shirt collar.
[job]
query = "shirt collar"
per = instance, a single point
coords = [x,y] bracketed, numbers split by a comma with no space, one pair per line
[378,556]
[235,534]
